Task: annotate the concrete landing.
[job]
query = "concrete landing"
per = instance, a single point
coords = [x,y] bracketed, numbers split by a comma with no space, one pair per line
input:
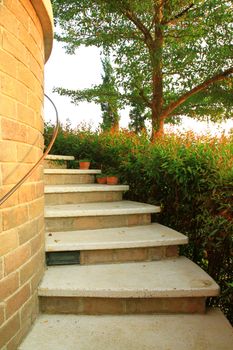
[145,332]
[100,209]
[153,235]
[178,277]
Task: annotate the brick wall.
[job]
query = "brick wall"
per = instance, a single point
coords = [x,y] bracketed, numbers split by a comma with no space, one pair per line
[21,144]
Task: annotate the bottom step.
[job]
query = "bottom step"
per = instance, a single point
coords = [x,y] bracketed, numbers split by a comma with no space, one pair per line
[211,331]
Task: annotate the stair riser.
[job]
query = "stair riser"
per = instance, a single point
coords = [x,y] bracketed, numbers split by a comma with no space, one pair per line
[88,257]
[95,222]
[113,256]
[82,197]
[121,306]
[61,179]
[55,164]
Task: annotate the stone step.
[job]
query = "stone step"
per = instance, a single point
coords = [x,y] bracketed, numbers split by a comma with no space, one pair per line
[172,285]
[59,157]
[57,161]
[139,243]
[69,176]
[86,216]
[83,193]
[211,331]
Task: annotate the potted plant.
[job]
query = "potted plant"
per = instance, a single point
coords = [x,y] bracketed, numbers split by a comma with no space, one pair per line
[101,179]
[84,163]
[112,178]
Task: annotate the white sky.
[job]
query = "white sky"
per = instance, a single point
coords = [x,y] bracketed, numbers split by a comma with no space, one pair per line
[82,70]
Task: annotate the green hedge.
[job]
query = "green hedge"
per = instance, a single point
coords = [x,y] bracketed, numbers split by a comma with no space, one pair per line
[190,177]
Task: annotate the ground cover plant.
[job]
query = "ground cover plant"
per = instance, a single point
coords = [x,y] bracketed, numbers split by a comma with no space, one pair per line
[191,178]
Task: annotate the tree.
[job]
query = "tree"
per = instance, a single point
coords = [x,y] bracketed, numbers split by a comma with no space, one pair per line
[173,54]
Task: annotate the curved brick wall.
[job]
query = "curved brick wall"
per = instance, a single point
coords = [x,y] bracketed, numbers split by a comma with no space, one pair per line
[25,43]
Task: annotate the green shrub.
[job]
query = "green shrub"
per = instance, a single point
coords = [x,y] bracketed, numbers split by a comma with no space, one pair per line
[190,177]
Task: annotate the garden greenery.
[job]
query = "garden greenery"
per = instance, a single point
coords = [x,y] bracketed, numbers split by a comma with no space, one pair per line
[190,177]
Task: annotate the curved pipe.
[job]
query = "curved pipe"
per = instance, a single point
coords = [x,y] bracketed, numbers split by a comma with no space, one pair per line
[9,194]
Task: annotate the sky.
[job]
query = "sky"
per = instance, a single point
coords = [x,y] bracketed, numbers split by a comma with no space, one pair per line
[82,70]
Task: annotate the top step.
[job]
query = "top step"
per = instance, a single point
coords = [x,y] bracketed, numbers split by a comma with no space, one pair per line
[57,161]
[58,157]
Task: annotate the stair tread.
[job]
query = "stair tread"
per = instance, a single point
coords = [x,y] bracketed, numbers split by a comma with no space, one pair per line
[71,171]
[178,277]
[58,157]
[124,237]
[100,209]
[211,331]
[84,188]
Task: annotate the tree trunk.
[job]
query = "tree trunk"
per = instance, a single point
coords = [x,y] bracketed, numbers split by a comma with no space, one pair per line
[157,78]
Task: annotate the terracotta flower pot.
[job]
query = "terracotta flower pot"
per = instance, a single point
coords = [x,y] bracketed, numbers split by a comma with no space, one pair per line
[84,165]
[101,180]
[112,180]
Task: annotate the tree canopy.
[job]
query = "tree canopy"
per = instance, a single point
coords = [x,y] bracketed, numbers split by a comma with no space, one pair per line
[175,56]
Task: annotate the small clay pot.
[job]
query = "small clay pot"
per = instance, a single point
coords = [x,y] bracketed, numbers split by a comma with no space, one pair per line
[112,180]
[101,180]
[84,165]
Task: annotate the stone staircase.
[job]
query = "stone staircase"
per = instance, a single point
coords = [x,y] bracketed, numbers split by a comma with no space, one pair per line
[115,280]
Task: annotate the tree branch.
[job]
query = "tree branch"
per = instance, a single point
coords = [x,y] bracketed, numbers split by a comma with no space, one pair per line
[178,16]
[140,26]
[173,105]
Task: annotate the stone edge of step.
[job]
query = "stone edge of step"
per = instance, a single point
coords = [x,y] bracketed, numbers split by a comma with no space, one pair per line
[71,210]
[71,171]
[65,241]
[204,287]
[83,188]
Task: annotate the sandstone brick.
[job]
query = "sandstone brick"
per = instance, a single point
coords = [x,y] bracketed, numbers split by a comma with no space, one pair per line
[12,130]
[156,253]
[13,172]
[8,63]
[2,313]
[85,223]
[27,231]
[25,114]
[33,101]
[15,302]
[88,197]
[30,268]
[1,268]
[27,193]
[36,33]
[38,276]
[12,200]
[9,21]
[8,151]
[29,309]
[25,37]
[37,242]
[31,11]
[37,70]
[18,337]
[8,107]
[19,10]
[36,208]
[113,255]
[68,179]
[9,241]
[39,188]
[17,258]
[14,217]
[11,327]
[172,251]
[16,48]
[9,285]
